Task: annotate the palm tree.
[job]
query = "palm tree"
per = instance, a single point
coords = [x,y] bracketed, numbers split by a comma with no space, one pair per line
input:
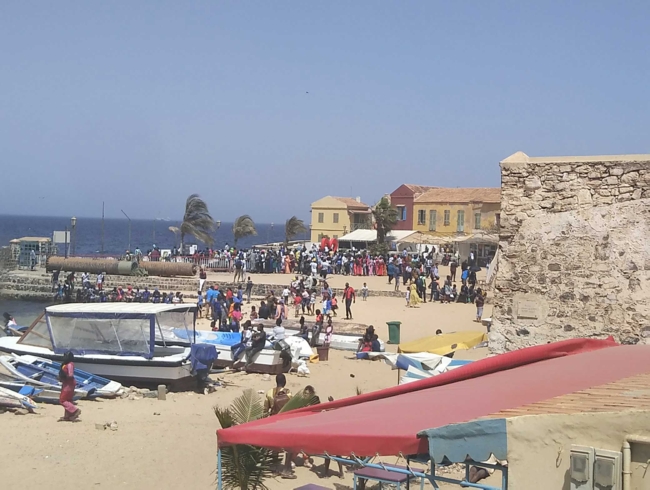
[385,218]
[292,228]
[197,222]
[246,467]
[242,227]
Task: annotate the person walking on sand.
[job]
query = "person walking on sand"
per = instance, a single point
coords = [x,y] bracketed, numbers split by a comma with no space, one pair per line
[350,297]
[479,301]
[68,384]
[414,297]
[249,289]
[364,291]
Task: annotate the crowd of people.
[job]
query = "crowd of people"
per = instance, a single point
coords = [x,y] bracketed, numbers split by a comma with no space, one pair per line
[83,290]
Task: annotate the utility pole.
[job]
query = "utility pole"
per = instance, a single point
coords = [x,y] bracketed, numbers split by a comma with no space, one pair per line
[127,217]
[102,249]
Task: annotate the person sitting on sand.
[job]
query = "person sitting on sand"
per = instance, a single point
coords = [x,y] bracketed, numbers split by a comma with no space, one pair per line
[257,344]
[309,392]
[264,311]
[253,313]
[366,340]
[274,401]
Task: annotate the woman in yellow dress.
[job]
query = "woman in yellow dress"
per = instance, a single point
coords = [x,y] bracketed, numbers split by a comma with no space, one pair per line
[414,297]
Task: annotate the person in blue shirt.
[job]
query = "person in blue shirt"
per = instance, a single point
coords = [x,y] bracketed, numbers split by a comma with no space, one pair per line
[145,295]
[464,276]
[240,293]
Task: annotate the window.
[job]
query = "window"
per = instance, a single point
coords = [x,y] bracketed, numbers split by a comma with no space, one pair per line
[335,236]
[320,236]
[477,221]
[336,217]
[460,221]
[321,217]
[497,219]
[433,217]
[422,217]
[447,217]
[401,213]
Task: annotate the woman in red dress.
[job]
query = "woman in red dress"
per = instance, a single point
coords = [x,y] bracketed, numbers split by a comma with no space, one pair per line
[68,384]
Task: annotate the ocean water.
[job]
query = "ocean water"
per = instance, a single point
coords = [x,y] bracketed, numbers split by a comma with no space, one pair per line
[144,233]
[25,312]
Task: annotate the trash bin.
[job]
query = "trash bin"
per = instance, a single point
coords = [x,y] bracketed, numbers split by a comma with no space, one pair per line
[393,332]
[323,352]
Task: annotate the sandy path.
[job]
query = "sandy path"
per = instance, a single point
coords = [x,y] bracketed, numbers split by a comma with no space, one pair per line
[177,449]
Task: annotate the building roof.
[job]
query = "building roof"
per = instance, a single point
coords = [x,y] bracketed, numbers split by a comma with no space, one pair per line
[490,386]
[461,195]
[351,202]
[521,157]
[371,235]
[419,189]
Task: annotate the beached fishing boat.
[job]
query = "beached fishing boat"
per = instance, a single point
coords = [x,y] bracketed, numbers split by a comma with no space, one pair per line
[40,395]
[11,399]
[267,361]
[43,372]
[113,340]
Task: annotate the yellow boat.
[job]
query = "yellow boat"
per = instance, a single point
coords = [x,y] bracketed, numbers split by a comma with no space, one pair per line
[444,344]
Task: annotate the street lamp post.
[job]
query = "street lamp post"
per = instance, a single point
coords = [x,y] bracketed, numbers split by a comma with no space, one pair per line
[73,239]
[127,217]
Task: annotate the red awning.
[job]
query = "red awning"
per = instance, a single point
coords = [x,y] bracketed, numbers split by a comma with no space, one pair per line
[384,423]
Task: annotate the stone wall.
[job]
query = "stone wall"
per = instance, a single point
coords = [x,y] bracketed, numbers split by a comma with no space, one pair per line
[38,286]
[574,250]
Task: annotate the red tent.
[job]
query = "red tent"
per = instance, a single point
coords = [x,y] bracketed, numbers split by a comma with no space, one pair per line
[384,423]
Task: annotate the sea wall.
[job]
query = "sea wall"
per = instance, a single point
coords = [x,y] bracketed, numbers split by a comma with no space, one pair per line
[38,286]
[574,250]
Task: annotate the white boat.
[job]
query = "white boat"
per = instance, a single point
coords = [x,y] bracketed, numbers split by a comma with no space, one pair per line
[267,361]
[113,340]
[339,341]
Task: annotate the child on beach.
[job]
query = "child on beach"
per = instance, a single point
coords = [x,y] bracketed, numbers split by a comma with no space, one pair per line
[297,302]
[334,304]
[408,296]
[364,292]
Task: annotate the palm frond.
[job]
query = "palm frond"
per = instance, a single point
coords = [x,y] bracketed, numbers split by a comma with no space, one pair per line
[247,407]
[225,418]
[197,220]
[299,400]
[385,219]
[293,227]
[245,467]
[243,226]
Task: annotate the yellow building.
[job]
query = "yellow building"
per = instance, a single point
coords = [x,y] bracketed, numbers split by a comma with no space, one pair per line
[334,217]
[457,211]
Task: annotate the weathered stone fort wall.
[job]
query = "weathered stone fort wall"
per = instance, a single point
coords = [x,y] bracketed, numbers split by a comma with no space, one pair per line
[575,250]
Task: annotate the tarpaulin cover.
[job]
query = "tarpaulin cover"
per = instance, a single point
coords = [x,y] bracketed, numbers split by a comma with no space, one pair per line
[386,422]
[444,344]
[202,356]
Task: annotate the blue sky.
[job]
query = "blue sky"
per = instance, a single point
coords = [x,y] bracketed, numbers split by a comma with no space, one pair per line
[140,104]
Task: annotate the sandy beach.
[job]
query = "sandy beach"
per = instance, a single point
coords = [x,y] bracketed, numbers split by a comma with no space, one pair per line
[172,444]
